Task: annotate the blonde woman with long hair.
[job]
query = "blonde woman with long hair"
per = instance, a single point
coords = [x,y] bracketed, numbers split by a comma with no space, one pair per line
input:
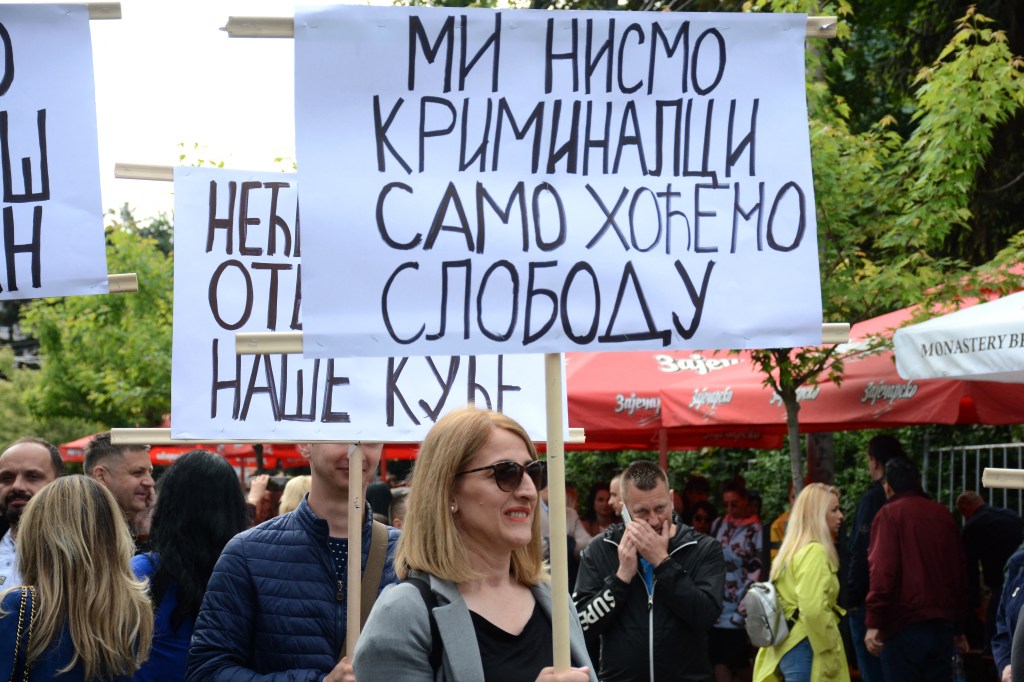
[804,573]
[81,615]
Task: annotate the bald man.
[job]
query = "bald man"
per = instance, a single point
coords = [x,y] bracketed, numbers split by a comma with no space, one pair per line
[991,535]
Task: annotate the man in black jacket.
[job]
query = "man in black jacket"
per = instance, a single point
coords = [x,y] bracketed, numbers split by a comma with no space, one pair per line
[650,589]
[881,449]
[991,535]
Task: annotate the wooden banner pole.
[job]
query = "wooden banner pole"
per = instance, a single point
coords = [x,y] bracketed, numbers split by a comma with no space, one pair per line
[556,512]
[356,508]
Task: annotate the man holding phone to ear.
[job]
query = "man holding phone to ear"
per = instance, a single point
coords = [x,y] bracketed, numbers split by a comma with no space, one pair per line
[651,587]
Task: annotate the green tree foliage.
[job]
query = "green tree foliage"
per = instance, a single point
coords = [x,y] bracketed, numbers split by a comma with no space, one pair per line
[159,229]
[887,204]
[108,358]
[17,421]
[890,42]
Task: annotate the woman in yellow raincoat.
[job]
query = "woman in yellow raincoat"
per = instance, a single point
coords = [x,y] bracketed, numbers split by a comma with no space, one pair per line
[804,573]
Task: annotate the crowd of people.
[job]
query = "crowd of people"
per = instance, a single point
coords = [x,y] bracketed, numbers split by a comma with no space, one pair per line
[106,576]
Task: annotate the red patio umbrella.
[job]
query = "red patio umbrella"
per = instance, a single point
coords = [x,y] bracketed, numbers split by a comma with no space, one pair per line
[616,399]
[871,395]
[275,455]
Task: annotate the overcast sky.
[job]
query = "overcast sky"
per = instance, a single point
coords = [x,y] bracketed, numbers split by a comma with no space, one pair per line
[166,75]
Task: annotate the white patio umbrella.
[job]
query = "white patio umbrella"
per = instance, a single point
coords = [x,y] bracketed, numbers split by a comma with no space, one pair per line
[982,343]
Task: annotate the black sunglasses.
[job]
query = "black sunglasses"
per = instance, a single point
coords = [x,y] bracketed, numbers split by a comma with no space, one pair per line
[508,475]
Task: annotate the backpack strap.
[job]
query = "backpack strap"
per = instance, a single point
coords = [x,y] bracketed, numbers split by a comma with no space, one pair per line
[430,601]
[374,570]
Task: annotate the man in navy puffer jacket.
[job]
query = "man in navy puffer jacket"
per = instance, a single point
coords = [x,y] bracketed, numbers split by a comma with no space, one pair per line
[275,605]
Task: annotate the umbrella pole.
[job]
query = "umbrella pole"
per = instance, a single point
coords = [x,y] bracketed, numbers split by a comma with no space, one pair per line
[663,449]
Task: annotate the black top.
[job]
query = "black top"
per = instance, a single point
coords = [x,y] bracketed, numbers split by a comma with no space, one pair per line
[513,658]
[858,578]
[339,555]
[991,537]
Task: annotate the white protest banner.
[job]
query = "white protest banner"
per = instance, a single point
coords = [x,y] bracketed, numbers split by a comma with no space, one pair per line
[533,181]
[53,243]
[237,267]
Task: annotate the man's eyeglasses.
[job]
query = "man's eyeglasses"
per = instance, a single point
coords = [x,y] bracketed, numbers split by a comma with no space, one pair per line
[508,475]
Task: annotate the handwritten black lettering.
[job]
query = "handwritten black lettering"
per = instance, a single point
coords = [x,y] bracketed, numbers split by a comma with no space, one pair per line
[29,194]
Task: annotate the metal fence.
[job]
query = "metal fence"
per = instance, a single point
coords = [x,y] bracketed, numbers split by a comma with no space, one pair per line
[947,472]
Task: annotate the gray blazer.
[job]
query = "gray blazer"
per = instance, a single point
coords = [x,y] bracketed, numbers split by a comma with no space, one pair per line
[395,643]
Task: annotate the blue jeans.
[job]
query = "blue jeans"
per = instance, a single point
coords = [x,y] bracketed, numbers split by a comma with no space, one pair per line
[795,665]
[870,666]
[921,651]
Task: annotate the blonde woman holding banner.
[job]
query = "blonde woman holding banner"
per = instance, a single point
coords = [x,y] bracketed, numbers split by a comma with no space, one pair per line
[476,602]
[804,573]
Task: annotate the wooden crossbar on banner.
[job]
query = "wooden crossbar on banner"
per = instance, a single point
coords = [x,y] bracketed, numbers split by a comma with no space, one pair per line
[162,436]
[123,283]
[1003,478]
[104,10]
[142,171]
[284,27]
[259,343]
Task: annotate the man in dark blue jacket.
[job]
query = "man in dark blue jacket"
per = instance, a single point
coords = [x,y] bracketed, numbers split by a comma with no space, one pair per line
[275,604]
[1006,619]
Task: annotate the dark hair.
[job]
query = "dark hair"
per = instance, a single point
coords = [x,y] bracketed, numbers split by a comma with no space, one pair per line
[696,484]
[736,487]
[591,513]
[379,496]
[885,447]
[703,505]
[644,475]
[55,459]
[199,508]
[902,475]
[101,448]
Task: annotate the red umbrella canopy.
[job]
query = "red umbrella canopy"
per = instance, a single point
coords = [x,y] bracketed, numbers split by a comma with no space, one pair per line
[871,394]
[275,455]
[616,399]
